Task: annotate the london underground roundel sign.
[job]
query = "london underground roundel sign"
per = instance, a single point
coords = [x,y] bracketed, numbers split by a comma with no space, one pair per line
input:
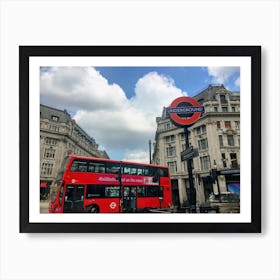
[185,110]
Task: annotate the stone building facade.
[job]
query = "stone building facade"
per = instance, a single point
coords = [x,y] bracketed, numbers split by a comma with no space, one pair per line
[216,136]
[60,136]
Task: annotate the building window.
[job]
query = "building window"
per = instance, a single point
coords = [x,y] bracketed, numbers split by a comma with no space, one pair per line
[224,109]
[224,160]
[201,129]
[215,109]
[218,124]
[203,144]
[221,141]
[230,140]
[233,159]
[223,99]
[172,167]
[233,109]
[167,126]
[46,169]
[55,118]
[51,141]
[49,153]
[171,151]
[237,125]
[54,128]
[170,138]
[205,163]
[227,124]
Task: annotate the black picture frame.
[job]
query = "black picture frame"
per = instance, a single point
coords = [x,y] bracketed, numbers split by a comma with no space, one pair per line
[254,52]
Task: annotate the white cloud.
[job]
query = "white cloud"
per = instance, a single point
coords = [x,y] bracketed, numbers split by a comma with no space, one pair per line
[80,88]
[137,156]
[123,129]
[153,91]
[104,111]
[220,75]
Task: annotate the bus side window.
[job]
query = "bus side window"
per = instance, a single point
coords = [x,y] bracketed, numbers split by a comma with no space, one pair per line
[95,191]
[126,170]
[133,171]
[112,191]
[83,167]
[139,171]
[91,167]
[150,191]
[146,171]
[163,172]
[79,166]
[153,171]
[101,169]
[112,167]
[74,166]
[141,191]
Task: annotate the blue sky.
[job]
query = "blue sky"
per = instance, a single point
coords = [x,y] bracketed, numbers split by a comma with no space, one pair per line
[118,106]
[189,79]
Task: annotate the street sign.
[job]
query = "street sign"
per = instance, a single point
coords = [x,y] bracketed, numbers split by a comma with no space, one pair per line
[229,171]
[189,153]
[176,111]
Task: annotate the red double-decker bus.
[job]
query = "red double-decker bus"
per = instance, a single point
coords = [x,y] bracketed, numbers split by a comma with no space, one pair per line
[95,185]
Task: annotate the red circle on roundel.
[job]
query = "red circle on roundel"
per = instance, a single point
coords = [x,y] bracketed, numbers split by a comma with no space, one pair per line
[184,121]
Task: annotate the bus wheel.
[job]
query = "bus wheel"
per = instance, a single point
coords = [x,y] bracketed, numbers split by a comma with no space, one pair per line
[94,209]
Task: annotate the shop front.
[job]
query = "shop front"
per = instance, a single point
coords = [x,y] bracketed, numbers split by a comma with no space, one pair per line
[44,190]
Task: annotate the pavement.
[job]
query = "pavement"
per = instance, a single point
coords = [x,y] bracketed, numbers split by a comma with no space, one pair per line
[44,206]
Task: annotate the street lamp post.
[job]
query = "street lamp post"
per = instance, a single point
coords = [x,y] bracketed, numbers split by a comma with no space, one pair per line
[150,151]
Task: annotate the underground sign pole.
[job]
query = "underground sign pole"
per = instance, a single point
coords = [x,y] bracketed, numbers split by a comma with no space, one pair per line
[185,111]
[189,166]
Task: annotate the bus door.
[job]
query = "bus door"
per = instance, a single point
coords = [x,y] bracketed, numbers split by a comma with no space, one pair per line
[129,199]
[74,199]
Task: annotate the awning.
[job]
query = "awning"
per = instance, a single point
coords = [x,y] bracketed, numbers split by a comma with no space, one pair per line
[43,184]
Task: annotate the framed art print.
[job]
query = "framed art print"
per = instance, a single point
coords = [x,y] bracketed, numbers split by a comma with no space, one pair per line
[140,139]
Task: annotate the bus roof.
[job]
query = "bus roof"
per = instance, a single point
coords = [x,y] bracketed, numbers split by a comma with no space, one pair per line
[113,160]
